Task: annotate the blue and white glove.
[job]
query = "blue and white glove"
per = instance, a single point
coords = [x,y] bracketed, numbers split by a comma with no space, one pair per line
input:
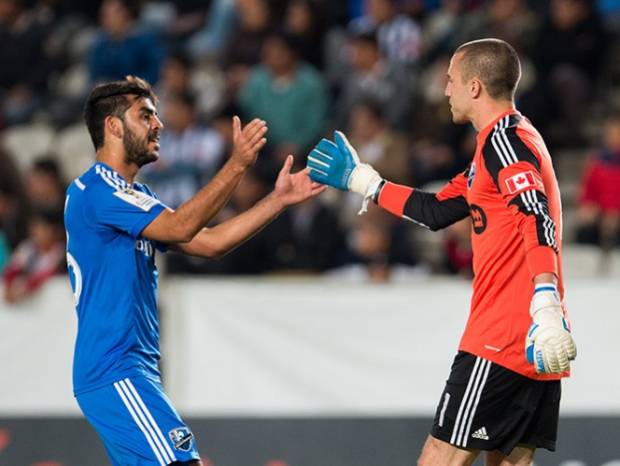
[338,165]
[549,344]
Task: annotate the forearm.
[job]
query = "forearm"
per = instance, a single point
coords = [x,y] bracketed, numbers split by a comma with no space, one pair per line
[421,207]
[183,224]
[546,277]
[199,210]
[225,237]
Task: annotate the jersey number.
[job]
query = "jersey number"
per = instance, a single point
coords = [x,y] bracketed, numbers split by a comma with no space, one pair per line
[75,277]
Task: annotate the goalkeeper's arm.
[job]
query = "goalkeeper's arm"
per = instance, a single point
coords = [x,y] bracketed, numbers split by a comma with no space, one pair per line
[338,165]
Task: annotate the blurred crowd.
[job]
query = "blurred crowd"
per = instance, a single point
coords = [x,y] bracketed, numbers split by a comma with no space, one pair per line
[373,68]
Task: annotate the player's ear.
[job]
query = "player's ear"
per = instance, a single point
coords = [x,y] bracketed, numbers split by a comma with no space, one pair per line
[114,126]
[475,88]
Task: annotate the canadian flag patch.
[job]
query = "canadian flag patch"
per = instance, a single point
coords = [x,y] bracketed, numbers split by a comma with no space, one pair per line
[520,181]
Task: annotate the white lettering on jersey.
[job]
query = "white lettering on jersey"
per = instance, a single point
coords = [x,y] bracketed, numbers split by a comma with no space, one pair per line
[145,247]
[139,199]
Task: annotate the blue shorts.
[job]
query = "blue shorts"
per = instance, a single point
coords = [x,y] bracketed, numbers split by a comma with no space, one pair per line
[137,423]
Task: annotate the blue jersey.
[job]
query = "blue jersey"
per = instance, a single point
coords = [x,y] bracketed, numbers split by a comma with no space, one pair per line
[114,278]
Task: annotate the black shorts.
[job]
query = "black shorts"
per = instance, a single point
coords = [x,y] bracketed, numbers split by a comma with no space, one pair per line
[488,407]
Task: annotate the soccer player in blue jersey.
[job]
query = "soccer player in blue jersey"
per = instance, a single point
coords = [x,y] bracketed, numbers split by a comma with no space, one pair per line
[114,225]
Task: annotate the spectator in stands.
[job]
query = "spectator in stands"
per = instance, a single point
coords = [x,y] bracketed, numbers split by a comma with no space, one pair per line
[399,36]
[599,201]
[458,255]
[315,242]
[374,78]
[176,74]
[24,66]
[190,153]
[440,28]
[244,49]
[380,250]
[177,77]
[45,184]
[14,208]
[509,20]
[375,141]
[120,48]
[288,93]
[37,258]
[568,54]
[212,38]
[304,20]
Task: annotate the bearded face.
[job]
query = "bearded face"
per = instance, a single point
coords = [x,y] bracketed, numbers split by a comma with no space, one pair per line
[140,150]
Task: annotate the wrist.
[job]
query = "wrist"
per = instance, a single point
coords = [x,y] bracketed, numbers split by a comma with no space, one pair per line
[275,202]
[237,164]
[545,302]
[545,286]
[364,180]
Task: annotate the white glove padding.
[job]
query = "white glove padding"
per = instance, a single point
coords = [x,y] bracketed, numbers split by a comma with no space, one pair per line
[364,179]
[549,344]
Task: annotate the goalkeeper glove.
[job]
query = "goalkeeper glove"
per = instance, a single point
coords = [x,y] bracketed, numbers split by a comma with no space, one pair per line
[549,344]
[338,165]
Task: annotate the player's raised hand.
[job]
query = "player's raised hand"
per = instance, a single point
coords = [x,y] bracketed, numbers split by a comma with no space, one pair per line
[549,344]
[337,164]
[248,141]
[293,188]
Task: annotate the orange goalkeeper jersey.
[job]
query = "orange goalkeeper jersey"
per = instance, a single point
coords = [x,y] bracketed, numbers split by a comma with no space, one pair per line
[511,193]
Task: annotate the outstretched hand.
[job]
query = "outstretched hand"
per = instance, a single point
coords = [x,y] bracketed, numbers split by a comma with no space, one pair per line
[293,188]
[248,141]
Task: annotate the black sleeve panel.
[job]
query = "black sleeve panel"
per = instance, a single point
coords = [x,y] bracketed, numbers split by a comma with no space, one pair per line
[535,203]
[502,148]
[424,208]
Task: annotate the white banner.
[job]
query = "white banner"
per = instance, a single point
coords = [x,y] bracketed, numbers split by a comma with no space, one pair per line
[308,347]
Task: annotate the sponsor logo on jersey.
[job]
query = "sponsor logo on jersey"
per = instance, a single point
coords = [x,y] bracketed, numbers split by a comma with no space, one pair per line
[471,174]
[139,199]
[478,218]
[181,438]
[520,181]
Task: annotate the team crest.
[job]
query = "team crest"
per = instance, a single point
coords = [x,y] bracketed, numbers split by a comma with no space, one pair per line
[181,438]
[471,174]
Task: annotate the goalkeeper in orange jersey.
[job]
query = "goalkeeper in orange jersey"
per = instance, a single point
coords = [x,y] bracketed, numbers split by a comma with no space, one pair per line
[503,392]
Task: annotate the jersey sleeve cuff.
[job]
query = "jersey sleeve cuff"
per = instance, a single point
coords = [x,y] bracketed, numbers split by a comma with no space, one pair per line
[393,197]
[146,219]
[542,259]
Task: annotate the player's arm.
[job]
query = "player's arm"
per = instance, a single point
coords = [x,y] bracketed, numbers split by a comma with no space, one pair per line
[182,224]
[338,165]
[515,169]
[290,188]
